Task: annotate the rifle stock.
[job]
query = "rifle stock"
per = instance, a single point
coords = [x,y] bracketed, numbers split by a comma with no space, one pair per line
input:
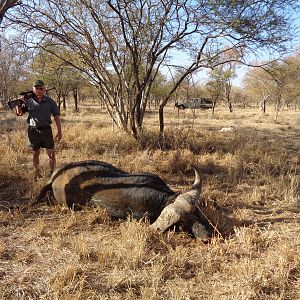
[19,101]
[14,103]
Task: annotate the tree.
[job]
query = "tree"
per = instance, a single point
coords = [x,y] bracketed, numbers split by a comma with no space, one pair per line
[14,69]
[59,74]
[220,84]
[293,87]
[222,75]
[283,74]
[258,87]
[215,89]
[277,83]
[122,45]
[189,87]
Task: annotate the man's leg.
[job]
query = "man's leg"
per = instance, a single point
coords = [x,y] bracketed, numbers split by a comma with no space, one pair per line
[52,160]
[49,145]
[36,162]
[34,144]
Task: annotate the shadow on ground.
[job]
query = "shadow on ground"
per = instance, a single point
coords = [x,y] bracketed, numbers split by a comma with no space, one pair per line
[13,191]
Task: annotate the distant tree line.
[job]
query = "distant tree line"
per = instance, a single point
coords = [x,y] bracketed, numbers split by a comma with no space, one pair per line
[122,50]
[275,86]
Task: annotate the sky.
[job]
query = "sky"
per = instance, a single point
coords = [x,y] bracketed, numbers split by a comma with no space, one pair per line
[295,46]
[241,71]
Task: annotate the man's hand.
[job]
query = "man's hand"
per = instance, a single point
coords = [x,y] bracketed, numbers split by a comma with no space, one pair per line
[18,108]
[58,136]
[58,126]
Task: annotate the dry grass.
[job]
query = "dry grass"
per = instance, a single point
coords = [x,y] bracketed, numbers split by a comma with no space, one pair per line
[251,177]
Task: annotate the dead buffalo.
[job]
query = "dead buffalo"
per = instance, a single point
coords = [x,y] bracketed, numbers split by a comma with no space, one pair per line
[120,193]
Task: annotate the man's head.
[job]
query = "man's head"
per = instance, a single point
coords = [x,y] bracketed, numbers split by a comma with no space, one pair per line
[39,88]
[39,83]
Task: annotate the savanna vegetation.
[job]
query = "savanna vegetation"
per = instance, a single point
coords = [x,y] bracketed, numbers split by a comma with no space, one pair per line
[251,178]
[118,67]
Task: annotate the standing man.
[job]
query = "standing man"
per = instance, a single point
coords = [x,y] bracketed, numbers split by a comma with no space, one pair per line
[40,108]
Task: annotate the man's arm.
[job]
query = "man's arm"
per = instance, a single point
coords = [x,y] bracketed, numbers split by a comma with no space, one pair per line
[58,126]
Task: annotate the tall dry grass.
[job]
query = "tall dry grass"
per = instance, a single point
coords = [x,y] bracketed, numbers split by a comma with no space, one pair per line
[251,191]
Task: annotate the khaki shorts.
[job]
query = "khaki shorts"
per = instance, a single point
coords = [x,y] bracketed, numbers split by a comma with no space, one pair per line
[40,137]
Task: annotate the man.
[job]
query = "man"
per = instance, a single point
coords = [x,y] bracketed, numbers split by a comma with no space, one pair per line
[40,108]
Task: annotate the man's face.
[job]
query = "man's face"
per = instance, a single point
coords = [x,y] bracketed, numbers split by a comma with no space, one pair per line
[39,90]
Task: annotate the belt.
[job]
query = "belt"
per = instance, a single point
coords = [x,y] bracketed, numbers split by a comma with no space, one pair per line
[41,127]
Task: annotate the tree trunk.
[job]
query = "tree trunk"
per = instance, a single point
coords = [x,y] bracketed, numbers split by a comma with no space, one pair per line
[59,100]
[263,106]
[161,125]
[64,102]
[75,95]
[213,108]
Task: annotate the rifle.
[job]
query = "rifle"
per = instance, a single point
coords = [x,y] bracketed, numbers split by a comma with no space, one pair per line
[26,95]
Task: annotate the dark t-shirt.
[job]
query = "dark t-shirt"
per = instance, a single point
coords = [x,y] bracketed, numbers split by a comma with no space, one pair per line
[40,113]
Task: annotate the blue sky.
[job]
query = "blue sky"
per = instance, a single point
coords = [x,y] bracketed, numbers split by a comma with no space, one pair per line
[294,46]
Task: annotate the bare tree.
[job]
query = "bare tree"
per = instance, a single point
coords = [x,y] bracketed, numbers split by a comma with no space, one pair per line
[278,83]
[257,86]
[121,45]
[281,76]
[14,71]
